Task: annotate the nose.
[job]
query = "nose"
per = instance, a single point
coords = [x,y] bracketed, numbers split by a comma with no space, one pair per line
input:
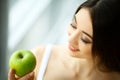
[74,40]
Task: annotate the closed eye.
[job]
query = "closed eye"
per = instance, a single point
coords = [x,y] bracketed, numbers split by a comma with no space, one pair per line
[74,23]
[85,39]
[74,27]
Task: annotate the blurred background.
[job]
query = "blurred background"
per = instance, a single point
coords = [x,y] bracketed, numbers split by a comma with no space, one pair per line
[25,24]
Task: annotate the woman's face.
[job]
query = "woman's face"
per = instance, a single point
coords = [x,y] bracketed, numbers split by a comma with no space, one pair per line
[80,35]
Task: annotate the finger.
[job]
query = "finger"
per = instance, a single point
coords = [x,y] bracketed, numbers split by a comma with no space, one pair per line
[29,76]
[11,75]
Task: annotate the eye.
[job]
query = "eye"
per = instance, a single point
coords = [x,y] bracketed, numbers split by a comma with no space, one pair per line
[74,27]
[85,39]
[73,24]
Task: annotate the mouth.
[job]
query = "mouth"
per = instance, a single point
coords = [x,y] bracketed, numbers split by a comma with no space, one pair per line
[73,49]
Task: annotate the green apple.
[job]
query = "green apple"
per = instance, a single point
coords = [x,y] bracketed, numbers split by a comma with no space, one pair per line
[22,61]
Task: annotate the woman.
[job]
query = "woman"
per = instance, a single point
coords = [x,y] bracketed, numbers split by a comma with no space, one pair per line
[93,50]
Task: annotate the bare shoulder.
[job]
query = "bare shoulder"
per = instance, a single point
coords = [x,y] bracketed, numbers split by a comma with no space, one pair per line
[38,52]
[59,47]
[58,50]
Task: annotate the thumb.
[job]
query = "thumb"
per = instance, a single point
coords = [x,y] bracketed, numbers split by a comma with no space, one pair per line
[11,75]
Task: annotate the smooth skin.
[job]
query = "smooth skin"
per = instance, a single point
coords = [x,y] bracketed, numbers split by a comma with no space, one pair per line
[73,61]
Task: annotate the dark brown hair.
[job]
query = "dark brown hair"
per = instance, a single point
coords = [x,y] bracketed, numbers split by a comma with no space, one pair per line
[105,15]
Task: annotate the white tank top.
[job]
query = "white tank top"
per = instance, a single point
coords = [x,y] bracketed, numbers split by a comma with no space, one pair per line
[44,62]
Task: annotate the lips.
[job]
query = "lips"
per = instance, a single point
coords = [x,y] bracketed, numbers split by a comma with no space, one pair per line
[73,49]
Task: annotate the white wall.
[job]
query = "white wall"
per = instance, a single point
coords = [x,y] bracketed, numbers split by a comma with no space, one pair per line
[49,27]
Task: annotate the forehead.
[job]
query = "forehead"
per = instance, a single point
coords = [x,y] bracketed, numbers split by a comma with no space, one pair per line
[84,21]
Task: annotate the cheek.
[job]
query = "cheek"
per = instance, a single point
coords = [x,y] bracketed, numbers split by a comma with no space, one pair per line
[86,51]
[69,30]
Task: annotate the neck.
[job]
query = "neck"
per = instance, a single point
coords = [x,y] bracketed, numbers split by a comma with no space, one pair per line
[86,68]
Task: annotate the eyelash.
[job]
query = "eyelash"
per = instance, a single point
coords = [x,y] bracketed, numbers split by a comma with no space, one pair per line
[85,41]
[74,27]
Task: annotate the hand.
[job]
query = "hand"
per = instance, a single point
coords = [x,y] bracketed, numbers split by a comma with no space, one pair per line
[12,76]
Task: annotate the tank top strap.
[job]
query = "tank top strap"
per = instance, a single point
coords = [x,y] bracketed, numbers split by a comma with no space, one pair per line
[44,62]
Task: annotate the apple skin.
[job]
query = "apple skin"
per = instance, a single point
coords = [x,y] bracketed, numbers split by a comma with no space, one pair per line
[22,61]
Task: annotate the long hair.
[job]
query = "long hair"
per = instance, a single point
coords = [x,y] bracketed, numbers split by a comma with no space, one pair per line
[105,15]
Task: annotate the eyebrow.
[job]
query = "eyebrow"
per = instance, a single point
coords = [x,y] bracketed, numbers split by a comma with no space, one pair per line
[87,34]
